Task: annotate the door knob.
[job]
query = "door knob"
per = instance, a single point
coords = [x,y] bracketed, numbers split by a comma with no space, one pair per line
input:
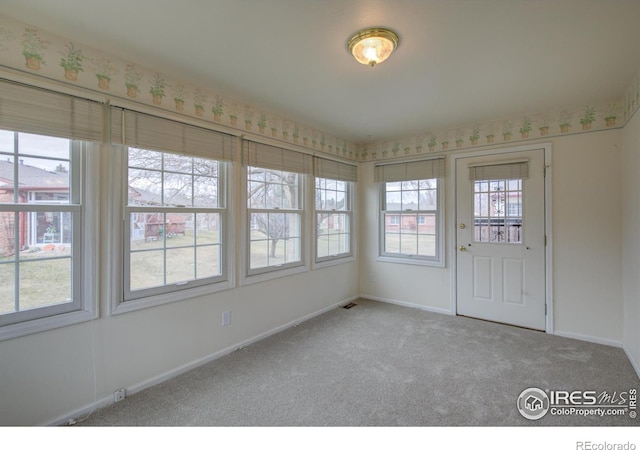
[463,248]
[462,226]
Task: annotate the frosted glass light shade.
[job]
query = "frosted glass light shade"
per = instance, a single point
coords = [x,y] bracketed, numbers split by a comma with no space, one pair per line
[371,46]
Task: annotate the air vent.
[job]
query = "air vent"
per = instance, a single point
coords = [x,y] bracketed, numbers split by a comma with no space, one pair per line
[350,305]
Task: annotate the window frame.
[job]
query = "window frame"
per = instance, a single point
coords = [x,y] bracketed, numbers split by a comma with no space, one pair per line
[84,207]
[350,187]
[127,300]
[132,128]
[435,261]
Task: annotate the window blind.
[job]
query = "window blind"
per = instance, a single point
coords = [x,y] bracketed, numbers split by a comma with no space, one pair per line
[40,111]
[335,170]
[411,170]
[140,130]
[269,157]
[509,170]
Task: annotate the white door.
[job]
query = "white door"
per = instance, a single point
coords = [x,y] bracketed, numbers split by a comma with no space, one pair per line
[500,242]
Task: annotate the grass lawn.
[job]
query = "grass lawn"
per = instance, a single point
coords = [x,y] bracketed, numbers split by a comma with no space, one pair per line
[411,244]
[186,259]
[287,250]
[42,283]
[48,281]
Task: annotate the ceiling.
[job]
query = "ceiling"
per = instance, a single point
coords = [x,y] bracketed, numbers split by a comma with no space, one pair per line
[458,62]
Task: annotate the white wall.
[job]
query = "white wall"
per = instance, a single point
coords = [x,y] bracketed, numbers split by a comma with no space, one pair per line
[630,241]
[421,286]
[587,243]
[49,377]
[587,224]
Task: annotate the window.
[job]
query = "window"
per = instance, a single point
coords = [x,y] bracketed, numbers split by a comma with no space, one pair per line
[46,221]
[174,218]
[410,217]
[275,217]
[412,232]
[334,185]
[333,218]
[175,213]
[497,212]
[275,207]
[498,194]
[36,236]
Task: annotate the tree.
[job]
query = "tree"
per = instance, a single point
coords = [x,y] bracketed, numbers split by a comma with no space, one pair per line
[273,190]
[167,179]
[181,180]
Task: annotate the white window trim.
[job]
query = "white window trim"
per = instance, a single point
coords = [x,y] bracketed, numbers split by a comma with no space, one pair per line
[342,258]
[115,196]
[439,259]
[247,276]
[89,270]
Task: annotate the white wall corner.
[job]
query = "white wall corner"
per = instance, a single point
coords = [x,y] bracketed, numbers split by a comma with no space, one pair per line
[633,362]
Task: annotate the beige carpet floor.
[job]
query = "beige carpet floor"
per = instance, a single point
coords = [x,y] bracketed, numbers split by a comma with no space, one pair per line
[378,364]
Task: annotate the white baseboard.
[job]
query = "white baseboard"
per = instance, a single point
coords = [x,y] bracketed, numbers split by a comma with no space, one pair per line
[588,338]
[79,414]
[633,362]
[220,353]
[408,304]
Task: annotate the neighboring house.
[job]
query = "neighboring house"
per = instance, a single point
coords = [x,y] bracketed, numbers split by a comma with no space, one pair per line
[35,185]
[150,226]
[331,222]
[408,220]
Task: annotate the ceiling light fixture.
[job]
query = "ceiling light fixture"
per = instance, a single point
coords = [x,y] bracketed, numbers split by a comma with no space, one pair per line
[371,46]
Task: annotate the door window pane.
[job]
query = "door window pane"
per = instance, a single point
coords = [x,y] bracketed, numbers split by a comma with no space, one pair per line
[497,211]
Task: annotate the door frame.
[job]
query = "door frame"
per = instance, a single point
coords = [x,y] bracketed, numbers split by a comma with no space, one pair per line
[451,229]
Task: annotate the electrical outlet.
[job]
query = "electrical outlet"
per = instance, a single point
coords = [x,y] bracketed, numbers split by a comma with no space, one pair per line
[226,318]
[119,395]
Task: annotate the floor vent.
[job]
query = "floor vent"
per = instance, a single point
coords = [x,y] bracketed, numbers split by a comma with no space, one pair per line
[350,305]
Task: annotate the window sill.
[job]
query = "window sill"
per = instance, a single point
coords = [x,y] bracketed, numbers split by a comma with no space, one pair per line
[45,324]
[271,275]
[333,261]
[170,297]
[412,261]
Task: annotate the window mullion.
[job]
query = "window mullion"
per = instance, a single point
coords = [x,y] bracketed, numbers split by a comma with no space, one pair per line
[164,248]
[16,260]
[16,175]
